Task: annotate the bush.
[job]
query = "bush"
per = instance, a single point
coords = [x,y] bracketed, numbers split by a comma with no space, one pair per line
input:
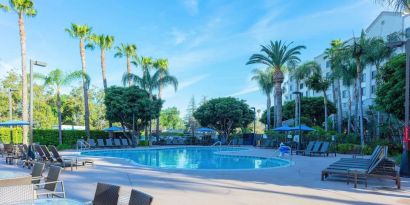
[345,148]
[143,143]
[64,147]
[5,135]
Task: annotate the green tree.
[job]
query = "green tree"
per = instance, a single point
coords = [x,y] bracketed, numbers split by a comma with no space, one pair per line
[132,107]
[275,56]
[56,79]
[399,5]
[264,79]
[348,78]
[224,115]
[391,84]
[23,8]
[83,33]
[128,51]
[170,119]
[318,83]
[190,122]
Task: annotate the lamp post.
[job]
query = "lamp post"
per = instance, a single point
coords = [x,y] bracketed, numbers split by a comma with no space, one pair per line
[405,157]
[254,121]
[298,111]
[32,64]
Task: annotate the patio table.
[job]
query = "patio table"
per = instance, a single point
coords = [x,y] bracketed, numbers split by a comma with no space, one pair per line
[11,178]
[51,201]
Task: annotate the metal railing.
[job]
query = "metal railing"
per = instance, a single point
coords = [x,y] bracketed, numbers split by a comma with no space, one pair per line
[82,145]
[218,142]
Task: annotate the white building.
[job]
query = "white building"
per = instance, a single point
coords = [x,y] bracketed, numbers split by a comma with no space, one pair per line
[385,24]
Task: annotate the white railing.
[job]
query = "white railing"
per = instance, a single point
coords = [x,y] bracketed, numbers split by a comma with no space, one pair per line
[218,142]
[82,145]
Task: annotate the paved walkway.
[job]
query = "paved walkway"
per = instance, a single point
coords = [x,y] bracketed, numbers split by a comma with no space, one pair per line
[298,184]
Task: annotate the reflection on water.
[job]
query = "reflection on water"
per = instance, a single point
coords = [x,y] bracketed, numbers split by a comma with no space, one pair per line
[192,158]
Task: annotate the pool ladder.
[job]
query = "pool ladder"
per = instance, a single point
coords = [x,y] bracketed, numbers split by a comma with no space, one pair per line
[218,142]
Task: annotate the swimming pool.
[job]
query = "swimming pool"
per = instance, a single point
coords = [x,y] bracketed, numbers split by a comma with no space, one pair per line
[201,158]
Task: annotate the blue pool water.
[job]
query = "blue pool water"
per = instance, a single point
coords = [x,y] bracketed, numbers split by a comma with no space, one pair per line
[206,158]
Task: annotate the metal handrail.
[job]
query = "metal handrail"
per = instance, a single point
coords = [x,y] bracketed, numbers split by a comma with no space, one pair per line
[83,145]
[218,142]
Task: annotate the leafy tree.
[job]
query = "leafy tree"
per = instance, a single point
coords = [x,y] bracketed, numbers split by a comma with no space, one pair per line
[224,115]
[132,107]
[128,51]
[348,79]
[399,5]
[265,83]
[275,56]
[83,33]
[23,8]
[57,79]
[169,118]
[309,110]
[391,84]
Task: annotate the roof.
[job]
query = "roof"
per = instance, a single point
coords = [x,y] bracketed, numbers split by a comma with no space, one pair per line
[383,13]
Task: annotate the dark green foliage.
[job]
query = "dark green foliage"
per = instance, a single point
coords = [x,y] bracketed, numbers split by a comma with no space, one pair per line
[312,111]
[224,114]
[390,86]
[122,102]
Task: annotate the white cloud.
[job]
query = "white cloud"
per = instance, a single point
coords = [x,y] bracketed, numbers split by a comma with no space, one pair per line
[169,91]
[246,90]
[191,6]
[6,66]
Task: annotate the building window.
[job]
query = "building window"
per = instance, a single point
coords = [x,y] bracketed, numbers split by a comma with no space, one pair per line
[301,86]
[327,64]
[307,93]
[344,94]
[290,88]
[374,74]
[373,89]
[363,91]
[363,77]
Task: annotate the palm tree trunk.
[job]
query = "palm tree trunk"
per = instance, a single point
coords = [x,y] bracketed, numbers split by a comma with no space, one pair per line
[296,104]
[349,115]
[159,97]
[128,69]
[85,90]
[334,100]
[60,132]
[23,74]
[104,77]
[274,109]
[278,108]
[358,79]
[268,105]
[356,107]
[325,104]
[339,107]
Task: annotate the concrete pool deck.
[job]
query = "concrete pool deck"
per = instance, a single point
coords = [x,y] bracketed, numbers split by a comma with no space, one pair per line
[297,184]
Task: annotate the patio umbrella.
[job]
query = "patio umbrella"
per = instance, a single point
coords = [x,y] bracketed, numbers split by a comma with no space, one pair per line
[303,128]
[113,129]
[284,128]
[205,129]
[13,124]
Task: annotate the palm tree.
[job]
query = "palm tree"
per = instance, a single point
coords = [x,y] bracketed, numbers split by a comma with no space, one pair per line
[164,79]
[22,8]
[275,56]
[57,79]
[399,5]
[104,42]
[318,83]
[129,51]
[83,33]
[264,79]
[334,55]
[348,78]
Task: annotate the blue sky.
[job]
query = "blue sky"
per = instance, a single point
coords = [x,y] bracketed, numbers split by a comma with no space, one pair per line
[207,42]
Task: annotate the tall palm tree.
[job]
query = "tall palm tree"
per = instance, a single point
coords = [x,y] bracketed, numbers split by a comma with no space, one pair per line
[83,33]
[399,5]
[165,79]
[334,54]
[23,8]
[375,55]
[317,82]
[129,51]
[275,56]
[265,82]
[348,78]
[56,79]
[104,42]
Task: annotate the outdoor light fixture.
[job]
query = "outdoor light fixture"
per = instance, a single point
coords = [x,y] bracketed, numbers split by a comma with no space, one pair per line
[32,64]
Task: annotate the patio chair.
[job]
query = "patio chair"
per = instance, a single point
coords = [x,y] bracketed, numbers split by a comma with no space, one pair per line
[24,158]
[8,149]
[47,153]
[125,142]
[315,148]
[106,194]
[308,149]
[16,194]
[324,149]
[117,143]
[139,198]
[59,159]
[100,143]
[108,142]
[49,186]
[92,144]
[37,172]
[40,153]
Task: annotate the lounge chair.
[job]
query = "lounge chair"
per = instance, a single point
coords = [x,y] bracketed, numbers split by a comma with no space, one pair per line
[60,160]
[49,186]
[108,142]
[125,142]
[47,154]
[100,143]
[37,172]
[106,194]
[117,143]
[40,153]
[315,148]
[92,144]
[324,149]
[139,198]
[308,149]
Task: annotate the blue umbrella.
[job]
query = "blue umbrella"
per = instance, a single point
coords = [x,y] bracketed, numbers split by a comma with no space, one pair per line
[14,123]
[303,128]
[284,128]
[114,129]
[205,129]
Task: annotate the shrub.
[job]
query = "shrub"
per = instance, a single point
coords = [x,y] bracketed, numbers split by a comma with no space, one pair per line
[143,143]
[64,147]
[345,148]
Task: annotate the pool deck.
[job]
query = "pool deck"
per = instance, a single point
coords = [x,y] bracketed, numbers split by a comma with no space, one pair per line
[297,184]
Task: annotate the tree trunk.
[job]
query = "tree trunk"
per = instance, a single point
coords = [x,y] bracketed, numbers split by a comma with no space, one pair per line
[104,77]
[60,132]
[339,107]
[325,104]
[356,108]
[85,89]
[128,69]
[278,79]
[159,97]
[274,109]
[296,104]
[360,103]
[268,105]
[334,101]
[349,116]
[23,75]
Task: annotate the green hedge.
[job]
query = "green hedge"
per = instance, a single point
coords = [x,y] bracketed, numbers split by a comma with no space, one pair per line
[50,137]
